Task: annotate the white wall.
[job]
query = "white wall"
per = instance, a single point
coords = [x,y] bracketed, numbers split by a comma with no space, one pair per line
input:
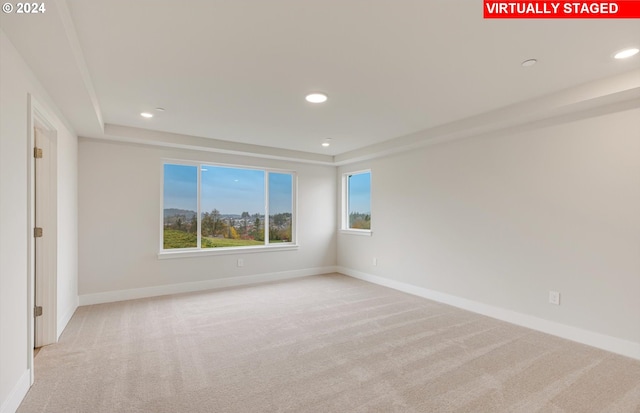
[504,219]
[16,82]
[67,272]
[119,198]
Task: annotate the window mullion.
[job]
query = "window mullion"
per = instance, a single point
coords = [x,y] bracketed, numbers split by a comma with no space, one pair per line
[266,208]
[199,211]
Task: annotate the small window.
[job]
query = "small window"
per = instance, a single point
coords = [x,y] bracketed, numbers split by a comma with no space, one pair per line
[357,201]
[213,206]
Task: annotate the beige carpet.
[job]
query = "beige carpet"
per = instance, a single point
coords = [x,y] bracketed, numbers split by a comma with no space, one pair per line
[318,344]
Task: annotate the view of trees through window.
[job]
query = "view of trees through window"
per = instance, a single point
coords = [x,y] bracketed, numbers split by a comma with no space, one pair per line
[232,205]
[359,200]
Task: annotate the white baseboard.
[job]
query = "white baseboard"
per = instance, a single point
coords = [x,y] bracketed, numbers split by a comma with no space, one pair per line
[590,338]
[11,404]
[122,295]
[66,317]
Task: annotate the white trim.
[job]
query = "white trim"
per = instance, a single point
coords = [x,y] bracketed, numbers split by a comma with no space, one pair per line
[360,232]
[204,252]
[198,209]
[17,394]
[266,234]
[31,219]
[132,294]
[590,338]
[294,208]
[38,115]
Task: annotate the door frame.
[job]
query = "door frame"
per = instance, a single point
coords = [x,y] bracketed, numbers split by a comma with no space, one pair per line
[39,116]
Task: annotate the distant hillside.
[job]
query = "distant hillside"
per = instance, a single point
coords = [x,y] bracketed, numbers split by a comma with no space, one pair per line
[172,212]
[188,214]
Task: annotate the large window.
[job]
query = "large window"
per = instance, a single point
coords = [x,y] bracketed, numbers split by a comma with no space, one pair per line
[357,201]
[213,206]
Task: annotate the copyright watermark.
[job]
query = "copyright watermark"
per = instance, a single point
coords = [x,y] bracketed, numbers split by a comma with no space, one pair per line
[24,8]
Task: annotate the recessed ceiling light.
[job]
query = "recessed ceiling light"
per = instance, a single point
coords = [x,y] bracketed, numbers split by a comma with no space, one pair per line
[325,144]
[146,115]
[529,62]
[623,54]
[316,97]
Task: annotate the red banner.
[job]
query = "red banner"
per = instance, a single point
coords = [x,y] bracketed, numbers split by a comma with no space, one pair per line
[623,9]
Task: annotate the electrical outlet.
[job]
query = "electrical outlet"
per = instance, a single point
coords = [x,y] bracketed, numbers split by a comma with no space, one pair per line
[240,262]
[375,261]
[554,297]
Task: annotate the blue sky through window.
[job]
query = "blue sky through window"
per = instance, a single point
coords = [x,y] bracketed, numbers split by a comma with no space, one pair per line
[232,190]
[229,190]
[181,187]
[280,193]
[360,193]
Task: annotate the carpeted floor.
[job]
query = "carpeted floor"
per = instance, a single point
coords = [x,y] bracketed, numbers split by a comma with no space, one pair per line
[318,344]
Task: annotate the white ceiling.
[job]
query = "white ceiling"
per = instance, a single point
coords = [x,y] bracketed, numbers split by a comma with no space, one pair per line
[238,70]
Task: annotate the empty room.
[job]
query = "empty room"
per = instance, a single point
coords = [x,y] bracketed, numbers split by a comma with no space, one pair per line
[329,206]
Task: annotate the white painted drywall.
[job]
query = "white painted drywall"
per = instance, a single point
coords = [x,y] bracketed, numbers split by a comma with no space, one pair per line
[119,203]
[504,219]
[16,82]
[67,273]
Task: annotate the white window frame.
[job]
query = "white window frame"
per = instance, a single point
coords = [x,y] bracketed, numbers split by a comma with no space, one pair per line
[344,226]
[198,250]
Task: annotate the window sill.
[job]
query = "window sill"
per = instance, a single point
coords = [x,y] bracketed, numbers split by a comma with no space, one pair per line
[361,232]
[186,253]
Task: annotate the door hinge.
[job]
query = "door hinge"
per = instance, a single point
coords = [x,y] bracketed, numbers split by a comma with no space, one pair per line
[37,153]
[37,232]
[37,311]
